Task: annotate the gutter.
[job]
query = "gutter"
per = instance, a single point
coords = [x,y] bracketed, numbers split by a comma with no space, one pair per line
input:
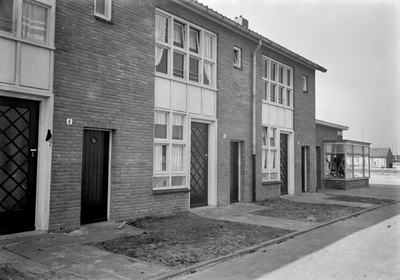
[254,118]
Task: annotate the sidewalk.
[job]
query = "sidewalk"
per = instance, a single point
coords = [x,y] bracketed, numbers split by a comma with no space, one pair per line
[65,256]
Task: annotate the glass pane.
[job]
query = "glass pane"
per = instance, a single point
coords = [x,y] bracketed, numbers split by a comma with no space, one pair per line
[272,94]
[265,136]
[179,38]
[273,159]
[265,176]
[358,166]
[160,182]
[179,62]
[160,125]
[339,148]
[194,69]
[177,158]
[288,77]
[272,137]
[178,181]
[265,160]
[328,167]
[101,7]
[366,150]
[329,148]
[280,96]
[161,60]
[288,97]
[208,47]
[367,166]
[194,40]
[6,15]
[349,148]
[358,149]
[160,156]
[281,74]
[265,91]
[207,75]
[274,176]
[347,165]
[177,127]
[265,69]
[34,21]
[161,28]
[273,71]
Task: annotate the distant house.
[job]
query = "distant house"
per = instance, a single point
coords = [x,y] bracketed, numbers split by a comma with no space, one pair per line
[381,157]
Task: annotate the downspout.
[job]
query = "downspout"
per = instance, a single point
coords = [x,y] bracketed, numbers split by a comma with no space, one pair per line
[254,117]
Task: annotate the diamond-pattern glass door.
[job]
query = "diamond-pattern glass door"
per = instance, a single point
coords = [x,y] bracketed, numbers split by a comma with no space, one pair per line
[199,165]
[18,144]
[284,163]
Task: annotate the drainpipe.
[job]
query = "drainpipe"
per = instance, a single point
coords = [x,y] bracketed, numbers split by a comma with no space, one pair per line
[254,117]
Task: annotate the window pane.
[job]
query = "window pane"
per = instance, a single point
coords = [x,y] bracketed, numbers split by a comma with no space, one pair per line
[177,127]
[160,125]
[160,156]
[265,136]
[6,15]
[280,97]
[179,35]
[265,91]
[265,69]
[161,60]
[272,137]
[194,41]
[265,176]
[273,71]
[265,160]
[178,181]
[160,182]
[273,159]
[194,69]
[177,158]
[281,74]
[288,77]
[345,169]
[179,62]
[101,7]
[358,150]
[272,93]
[288,97]
[274,176]
[208,47]
[34,21]
[358,166]
[161,28]
[305,83]
[207,75]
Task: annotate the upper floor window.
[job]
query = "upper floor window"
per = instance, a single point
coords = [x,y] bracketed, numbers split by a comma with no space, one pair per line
[33,19]
[277,83]
[102,9]
[237,57]
[187,53]
[305,83]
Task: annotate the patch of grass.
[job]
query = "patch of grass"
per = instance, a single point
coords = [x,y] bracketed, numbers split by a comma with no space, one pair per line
[360,199]
[307,212]
[183,240]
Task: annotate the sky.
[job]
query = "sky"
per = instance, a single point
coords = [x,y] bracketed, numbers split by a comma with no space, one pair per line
[357,41]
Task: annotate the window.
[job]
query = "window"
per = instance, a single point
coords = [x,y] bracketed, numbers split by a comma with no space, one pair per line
[269,154]
[169,150]
[187,53]
[277,83]
[7,16]
[305,83]
[102,9]
[237,57]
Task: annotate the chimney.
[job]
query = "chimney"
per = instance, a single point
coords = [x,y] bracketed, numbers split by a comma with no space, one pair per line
[242,21]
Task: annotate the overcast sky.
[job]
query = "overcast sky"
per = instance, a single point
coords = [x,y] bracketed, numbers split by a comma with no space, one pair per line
[357,41]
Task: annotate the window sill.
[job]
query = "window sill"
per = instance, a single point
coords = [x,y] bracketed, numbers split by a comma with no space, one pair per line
[168,191]
[266,183]
[238,67]
[103,19]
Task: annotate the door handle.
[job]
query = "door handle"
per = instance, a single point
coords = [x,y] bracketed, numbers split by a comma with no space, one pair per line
[33,153]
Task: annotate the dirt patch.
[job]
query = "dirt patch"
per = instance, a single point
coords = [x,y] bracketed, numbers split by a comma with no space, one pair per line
[300,211]
[183,240]
[360,199]
[7,272]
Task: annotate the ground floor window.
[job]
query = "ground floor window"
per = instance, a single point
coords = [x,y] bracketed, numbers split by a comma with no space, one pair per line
[170,148]
[269,160]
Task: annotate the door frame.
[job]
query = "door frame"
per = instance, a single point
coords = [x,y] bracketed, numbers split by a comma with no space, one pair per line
[212,158]
[44,153]
[110,134]
[239,167]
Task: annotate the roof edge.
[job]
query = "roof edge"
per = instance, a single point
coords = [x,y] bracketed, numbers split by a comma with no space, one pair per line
[333,125]
[229,23]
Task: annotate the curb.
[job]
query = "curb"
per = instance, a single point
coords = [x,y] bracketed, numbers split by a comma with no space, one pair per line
[252,249]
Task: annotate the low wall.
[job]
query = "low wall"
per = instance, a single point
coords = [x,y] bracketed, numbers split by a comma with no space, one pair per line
[342,184]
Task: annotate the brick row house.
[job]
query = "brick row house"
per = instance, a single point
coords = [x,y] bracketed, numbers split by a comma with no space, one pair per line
[112,110]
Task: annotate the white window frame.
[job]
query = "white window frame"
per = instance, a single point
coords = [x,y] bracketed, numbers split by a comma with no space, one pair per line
[169,142]
[237,57]
[281,79]
[107,10]
[270,173]
[305,83]
[207,64]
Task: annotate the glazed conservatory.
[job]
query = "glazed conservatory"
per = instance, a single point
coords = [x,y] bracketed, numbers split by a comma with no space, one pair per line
[346,164]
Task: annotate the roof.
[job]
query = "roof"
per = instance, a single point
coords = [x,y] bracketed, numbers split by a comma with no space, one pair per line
[379,152]
[204,10]
[332,125]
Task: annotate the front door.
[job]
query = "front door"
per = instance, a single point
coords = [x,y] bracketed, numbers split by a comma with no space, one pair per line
[284,163]
[234,172]
[199,165]
[18,152]
[94,195]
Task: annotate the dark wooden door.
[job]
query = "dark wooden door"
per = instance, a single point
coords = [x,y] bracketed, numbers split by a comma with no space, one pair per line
[18,162]
[319,170]
[234,172]
[94,176]
[284,163]
[199,165]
